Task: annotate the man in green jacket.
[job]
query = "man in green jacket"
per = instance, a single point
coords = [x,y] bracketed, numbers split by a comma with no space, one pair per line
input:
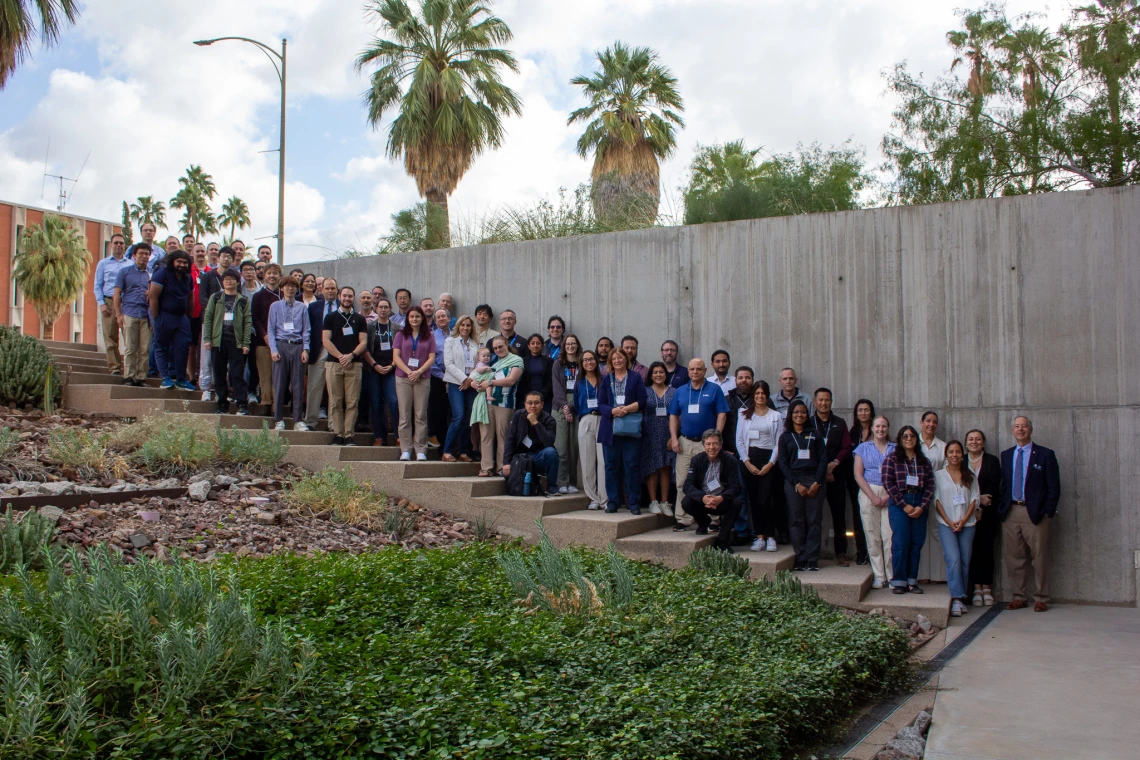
[227,328]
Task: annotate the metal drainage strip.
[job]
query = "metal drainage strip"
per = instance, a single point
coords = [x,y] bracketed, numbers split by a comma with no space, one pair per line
[887,707]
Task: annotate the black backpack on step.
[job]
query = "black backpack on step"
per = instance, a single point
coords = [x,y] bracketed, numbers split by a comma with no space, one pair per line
[521,464]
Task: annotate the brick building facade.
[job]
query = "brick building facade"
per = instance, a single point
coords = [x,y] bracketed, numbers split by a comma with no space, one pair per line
[80,323]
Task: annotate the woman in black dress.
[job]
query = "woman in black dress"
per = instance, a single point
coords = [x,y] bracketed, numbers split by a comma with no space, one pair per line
[987,469]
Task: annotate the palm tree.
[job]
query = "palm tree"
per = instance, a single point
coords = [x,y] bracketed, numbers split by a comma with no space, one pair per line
[235,214]
[1036,55]
[128,233]
[18,22]
[440,70]
[148,211]
[194,198]
[715,167]
[633,111]
[51,267]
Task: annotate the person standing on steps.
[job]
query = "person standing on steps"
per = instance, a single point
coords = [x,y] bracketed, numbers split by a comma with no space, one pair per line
[832,429]
[803,461]
[629,344]
[556,329]
[170,295]
[932,566]
[790,392]
[860,431]
[742,391]
[909,481]
[262,300]
[507,370]
[620,400]
[602,351]
[131,286]
[403,303]
[657,458]
[447,303]
[987,469]
[227,327]
[538,372]
[873,499]
[515,343]
[380,377]
[288,334]
[586,392]
[460,352]
[697,407]
[758,431]
[345,338]
[721,362]
[438,408]
[712,487]
[106,275]
[483,330]
[1030,491]
[413,354]
[955,500]
[319,311]
[564,378]
[532,433]
[675,374]
[210,283]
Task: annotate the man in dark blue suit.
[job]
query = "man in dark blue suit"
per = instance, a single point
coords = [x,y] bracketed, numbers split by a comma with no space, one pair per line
[1030,490]
[319,309]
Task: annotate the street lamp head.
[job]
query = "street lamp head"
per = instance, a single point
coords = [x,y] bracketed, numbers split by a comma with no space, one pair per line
[203,43]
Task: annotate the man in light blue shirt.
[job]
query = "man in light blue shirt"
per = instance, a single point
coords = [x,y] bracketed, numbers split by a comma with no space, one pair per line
[106,273]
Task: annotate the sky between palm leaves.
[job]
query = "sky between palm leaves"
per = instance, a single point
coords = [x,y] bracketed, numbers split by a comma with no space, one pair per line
[127,85]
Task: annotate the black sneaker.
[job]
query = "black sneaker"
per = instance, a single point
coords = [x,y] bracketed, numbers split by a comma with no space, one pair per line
[222,409]
[915,589]
[678,527]
[611,509]
[726,549]
[243,411]
[798,569]
[634,511]
[702,531]
[714,526]
[336,441]
[129,382]
[350,441]
[116,373]
[898,589]
[813,568]
[861,559]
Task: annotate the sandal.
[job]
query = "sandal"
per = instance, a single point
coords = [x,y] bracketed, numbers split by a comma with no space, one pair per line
[987,597]
[977,600]
[484,473]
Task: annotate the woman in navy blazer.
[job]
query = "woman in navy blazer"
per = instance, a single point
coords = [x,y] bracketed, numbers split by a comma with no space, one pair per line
[621,393]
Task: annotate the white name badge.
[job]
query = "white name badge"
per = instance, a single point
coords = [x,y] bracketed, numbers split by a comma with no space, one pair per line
[803,453]
[229,316]
[694,408]
[753,434]
[621,399]
[526,441]
[912,480]
[591,403]
[413,362]
[346,330]
[959,498]
[288,325]
[385,345]
[569,385]
[662,411]
[714,484]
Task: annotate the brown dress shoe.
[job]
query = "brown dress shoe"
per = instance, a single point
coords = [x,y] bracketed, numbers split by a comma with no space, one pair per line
[1040,607]
[378,442]
[448,458]
[1016,604]
[464,458]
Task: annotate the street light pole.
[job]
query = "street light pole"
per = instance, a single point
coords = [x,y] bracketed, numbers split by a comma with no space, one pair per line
[271,53]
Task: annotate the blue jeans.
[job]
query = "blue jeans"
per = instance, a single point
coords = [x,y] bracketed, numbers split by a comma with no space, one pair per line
[623,465]
[547,459]
[908,534]
[172,345]
[956,548]
[381,390]
[458,440]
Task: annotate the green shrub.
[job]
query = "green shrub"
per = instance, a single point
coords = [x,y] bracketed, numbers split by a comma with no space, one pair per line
[427,654]
[175,451]
[131,436]
[154,660]
[9,440]
[24,366]
[333,490]
[26,538]
[86,453]
[244,447]
[788,584]
[398,522]
[712,561]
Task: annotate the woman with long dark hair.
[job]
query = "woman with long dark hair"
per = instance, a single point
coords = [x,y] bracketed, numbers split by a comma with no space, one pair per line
[413,353]
[955,499]
[537,373]
[909,481]
[987,528]
[802,460]
[758,431]
[862,417]
[657,459]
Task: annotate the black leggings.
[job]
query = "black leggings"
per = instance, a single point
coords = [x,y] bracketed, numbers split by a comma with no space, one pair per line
[229,373]
[760,493]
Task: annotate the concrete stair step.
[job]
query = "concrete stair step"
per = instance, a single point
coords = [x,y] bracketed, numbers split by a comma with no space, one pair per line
[670,548]
[151,392]
[86,356]
[767,564]
[934,603]
[303,437]
[434,471]
[82,365]
[59,344]
[547,506]
[597,528]
[842,586]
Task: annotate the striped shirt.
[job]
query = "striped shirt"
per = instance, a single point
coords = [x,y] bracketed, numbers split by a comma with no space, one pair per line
[873,461]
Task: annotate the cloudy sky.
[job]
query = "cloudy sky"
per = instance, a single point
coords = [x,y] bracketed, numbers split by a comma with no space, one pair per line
[127,87]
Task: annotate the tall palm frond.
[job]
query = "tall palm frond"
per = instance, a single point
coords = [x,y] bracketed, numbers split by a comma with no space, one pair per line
[19,20]
[51,266]
[148,211]
[235,215]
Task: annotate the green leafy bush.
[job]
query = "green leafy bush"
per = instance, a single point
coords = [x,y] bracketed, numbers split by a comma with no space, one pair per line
[86,453]
[428,654]
[712,561]
[333,490]
[175,451]
[130,437]
[26,540]
[244,447]
[24,366]
[153,660]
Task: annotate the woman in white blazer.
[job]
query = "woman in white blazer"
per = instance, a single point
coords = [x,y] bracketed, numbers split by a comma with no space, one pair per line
[459,354]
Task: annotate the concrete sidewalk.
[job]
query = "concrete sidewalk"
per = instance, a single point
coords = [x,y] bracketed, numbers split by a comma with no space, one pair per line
[1058,685]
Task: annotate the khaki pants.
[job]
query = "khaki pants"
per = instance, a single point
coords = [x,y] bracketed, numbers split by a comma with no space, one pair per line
[566,444]
[1025,542]
[315,393]
[136,339]
[111,338]
[486,431]
[412,399]
[344,397]
[264,361]
[689,449]
[877,528]
[591,459]
[501,419]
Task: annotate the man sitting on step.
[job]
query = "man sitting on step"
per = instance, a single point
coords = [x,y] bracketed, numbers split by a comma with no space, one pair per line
[712,487]
[532,432]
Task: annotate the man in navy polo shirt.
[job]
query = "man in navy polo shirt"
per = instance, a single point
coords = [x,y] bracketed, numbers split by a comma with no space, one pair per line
[695,408]
[171,296]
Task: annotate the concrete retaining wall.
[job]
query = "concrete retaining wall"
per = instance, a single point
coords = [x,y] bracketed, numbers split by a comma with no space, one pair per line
[981,310]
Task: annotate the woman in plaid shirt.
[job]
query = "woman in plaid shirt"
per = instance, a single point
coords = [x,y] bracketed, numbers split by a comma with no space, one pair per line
[909,480]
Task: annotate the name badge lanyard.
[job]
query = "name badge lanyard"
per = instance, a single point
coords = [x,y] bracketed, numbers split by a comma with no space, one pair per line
[591,399]
[695,408]
[911,480]
[414,359]
[618,400]
[804,451]
[467,363]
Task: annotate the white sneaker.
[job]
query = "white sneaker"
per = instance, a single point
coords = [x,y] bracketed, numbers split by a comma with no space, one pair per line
[421,457]
[757,545]
[571,490]
[302,427]
[324,414]
[280,425]
[594,505]
[956,609]
[654,507]
[771,545]
[207,395]
[252,399]
[965,607]
[563,490]
[406,456]
[878,584]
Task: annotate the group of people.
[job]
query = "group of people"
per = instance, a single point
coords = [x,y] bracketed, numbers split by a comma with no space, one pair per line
[716,450]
